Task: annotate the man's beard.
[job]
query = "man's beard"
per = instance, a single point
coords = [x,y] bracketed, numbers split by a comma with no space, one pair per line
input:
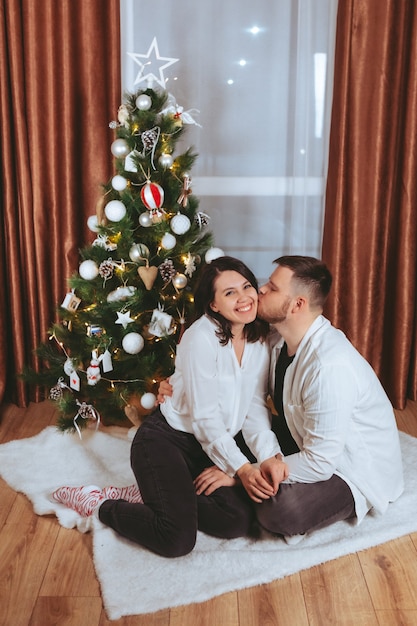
[280,315]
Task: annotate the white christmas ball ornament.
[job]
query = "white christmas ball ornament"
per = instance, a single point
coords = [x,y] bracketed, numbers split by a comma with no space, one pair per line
[88,269]
[145,219]
[133,343]
[92,223]
[179,281]
[115,210]
[165,160]
[120,148]
[143,102]
[119,183]
[180,224]
[213,253]
[148,400]
[168,241]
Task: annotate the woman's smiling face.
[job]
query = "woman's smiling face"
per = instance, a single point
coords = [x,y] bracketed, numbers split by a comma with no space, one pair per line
[235,298]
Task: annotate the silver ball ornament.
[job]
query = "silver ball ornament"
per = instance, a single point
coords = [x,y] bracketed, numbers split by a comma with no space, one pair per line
[119,183]
[133,343]
[138,252]
[88,269]
[179,281]
[115,210]
[168,241]
[145,220]
[143,102]
[166,160]
[180,224]
[120,148]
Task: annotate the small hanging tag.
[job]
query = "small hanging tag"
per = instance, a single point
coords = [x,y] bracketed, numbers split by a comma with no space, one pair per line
[130,165]
[106,362]
[75,381]
[71,301]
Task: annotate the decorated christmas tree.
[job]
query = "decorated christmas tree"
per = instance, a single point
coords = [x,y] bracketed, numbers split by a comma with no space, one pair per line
[132,295]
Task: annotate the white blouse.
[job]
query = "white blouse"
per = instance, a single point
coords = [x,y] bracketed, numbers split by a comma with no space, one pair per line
[214,397]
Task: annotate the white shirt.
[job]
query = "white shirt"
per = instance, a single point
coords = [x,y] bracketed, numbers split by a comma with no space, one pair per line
[340,418]
[214,397]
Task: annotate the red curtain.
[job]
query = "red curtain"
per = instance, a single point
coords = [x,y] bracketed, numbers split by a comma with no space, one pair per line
[59,89]
[370,231]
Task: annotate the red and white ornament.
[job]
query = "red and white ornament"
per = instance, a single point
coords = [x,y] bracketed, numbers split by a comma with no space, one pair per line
[152,196]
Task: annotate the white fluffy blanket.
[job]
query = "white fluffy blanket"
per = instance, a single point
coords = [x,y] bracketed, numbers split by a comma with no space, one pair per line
[134,581]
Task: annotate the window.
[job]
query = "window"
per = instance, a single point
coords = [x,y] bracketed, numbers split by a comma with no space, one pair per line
[260,75]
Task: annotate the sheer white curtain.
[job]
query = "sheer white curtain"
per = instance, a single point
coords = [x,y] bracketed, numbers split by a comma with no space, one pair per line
[260,74]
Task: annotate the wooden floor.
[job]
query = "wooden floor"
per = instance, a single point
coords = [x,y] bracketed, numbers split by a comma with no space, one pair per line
[47,575]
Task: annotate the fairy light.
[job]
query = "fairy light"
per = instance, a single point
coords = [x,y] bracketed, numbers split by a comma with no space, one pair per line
[115,238]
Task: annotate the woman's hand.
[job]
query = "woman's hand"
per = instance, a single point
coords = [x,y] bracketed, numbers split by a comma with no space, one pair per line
[164,389]
[211,479]
[256,485]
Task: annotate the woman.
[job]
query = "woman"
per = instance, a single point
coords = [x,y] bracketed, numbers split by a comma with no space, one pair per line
[184,456]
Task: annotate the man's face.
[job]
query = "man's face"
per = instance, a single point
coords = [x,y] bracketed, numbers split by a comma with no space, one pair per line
[275,296]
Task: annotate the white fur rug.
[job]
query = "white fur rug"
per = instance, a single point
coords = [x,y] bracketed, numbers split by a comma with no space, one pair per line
[134,581]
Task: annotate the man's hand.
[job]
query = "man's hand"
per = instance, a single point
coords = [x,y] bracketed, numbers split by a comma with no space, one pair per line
[274,470]
[211,479]
[256,485]
[164,389]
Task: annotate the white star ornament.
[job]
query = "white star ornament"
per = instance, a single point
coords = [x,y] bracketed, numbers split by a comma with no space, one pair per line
[124,318]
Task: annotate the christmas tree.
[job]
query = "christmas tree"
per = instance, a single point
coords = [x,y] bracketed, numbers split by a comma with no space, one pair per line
[132,296]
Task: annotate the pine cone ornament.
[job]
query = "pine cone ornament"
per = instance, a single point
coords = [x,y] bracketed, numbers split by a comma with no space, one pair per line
[167,270]
[201,219]
[106,269]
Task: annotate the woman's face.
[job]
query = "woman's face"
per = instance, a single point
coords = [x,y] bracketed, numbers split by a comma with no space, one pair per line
[235,298]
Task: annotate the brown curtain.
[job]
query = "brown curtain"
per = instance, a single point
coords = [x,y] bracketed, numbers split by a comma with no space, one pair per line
[59,89]
[370,232]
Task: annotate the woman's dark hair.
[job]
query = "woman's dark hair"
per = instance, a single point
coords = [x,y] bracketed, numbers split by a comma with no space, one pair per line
[205,292]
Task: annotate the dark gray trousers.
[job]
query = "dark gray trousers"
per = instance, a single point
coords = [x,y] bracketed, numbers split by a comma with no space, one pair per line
[302,507]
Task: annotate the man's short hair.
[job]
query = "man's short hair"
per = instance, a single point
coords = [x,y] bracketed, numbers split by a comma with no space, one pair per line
[311,274]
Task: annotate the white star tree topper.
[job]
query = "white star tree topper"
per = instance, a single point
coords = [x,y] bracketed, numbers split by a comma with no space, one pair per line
[151,75]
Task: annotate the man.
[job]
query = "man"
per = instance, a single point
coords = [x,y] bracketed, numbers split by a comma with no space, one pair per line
[345,457]
[336,427]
